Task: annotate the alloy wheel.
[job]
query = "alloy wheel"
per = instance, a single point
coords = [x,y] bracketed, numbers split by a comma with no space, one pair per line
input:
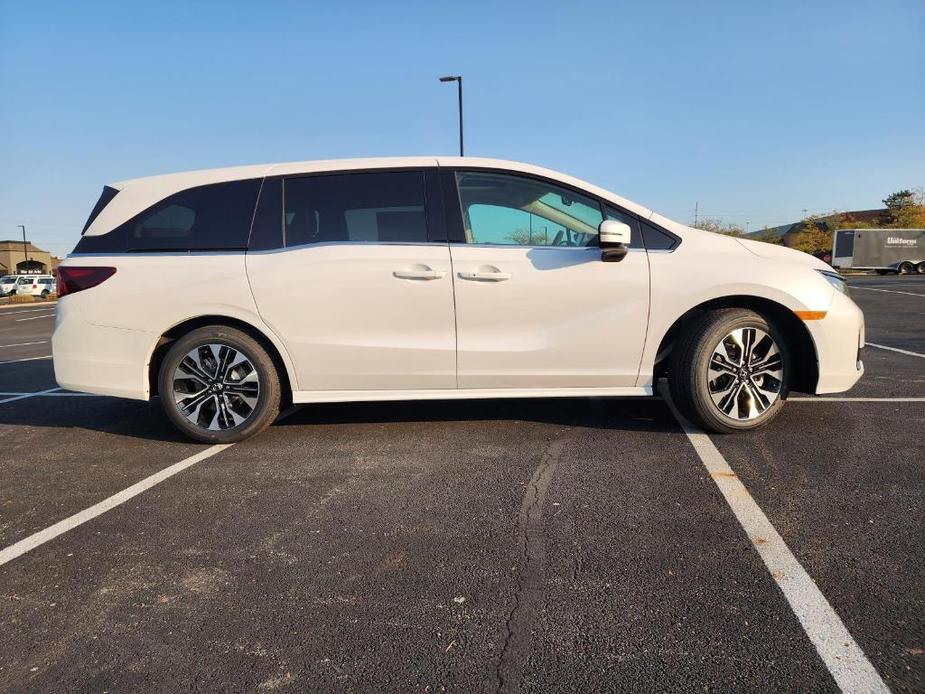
[216,387]
[746,373]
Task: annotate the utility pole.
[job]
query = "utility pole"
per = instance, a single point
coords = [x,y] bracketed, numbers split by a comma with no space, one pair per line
[696,209]
[25,252]
[458,80]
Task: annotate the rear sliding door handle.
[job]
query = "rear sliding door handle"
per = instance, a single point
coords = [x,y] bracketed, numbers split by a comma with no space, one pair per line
[485,276]
[419,274]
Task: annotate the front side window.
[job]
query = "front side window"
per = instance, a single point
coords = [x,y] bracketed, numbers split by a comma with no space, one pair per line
[376,207]
[519,211]
[205,218]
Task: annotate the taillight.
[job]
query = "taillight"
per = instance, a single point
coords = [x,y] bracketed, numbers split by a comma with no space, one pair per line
[77,278]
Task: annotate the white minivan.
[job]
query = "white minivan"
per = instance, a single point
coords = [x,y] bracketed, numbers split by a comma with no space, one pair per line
[32,285]
[226,292]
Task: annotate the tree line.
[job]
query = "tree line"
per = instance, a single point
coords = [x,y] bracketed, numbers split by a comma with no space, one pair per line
[904,209]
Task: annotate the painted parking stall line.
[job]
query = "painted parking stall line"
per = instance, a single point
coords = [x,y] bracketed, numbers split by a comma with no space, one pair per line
[28,395]
[859,399]
[840,653]
[27,544]
[26,344]
[31,310]
[46,394]
[50,533]
[17,361]
[895,349]
[46,315]
[888,291]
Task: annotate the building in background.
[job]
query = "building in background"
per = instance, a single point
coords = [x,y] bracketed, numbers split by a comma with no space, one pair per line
[34,261]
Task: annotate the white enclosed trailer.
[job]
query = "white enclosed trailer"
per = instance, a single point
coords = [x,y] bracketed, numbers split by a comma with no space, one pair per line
[885,250]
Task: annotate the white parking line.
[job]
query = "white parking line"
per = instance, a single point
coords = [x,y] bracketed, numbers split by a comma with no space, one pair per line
[27,544]
[45,394]
[827,399]
[31,310]
[888,291]
[16,361]
[29,395]
[896,349]
[46,315]
[842,656]
[25,344]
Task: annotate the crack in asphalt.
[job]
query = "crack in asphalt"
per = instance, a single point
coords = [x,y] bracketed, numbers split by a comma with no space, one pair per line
[531,538]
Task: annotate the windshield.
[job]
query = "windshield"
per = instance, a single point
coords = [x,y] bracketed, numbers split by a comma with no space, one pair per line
[7,279]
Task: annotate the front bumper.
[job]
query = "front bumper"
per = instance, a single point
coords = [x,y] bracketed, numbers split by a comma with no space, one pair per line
[839,338]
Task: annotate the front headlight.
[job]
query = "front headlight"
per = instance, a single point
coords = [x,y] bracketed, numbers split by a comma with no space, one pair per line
[835,280]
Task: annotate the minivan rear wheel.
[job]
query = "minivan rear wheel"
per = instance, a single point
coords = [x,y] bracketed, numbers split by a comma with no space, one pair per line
[729,372]
[219,385]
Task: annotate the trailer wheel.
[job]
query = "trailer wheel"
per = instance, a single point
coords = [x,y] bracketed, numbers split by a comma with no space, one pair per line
[920,268]
[905,268]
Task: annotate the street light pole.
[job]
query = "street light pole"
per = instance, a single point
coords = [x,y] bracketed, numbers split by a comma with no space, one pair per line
[25,252]
[458,79]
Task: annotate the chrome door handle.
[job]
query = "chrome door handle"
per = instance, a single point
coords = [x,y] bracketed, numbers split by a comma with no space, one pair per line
[419,274]
[485,276]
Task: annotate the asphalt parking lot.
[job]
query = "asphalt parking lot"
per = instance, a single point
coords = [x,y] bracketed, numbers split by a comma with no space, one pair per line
[562,545]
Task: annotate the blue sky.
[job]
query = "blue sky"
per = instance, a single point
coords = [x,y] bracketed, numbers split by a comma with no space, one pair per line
[754,110]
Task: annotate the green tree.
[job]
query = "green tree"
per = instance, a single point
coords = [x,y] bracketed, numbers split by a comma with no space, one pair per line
[843,220]
[899,199]
[905,209]
[813,236]
[767,236]
[717,226]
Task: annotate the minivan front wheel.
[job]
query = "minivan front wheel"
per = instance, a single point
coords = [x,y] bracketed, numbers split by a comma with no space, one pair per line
[218,385]
[730,371]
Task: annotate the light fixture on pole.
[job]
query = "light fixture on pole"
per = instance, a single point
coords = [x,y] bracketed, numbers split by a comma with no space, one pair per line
[458,80]
[25,252]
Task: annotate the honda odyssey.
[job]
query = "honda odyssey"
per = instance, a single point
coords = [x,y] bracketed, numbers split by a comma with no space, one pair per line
[226,292]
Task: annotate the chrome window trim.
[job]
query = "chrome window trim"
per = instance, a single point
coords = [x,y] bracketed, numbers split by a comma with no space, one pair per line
[424,244]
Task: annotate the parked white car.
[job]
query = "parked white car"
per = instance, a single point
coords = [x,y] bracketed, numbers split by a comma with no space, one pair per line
[7,284]
[229,291]
[34,285]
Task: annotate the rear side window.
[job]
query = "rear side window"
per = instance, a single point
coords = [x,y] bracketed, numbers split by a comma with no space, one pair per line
[213,217]
[378,207]
[105,198]
[656,239]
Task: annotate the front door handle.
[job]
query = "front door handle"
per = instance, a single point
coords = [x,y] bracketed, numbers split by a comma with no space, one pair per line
[485,276]
[419,274]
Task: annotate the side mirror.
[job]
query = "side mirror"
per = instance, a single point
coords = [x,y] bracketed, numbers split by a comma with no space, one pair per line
[614,238]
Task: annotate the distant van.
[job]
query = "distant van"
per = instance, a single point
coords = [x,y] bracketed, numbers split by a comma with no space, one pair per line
[36,285]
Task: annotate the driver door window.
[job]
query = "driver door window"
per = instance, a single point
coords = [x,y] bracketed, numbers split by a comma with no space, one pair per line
[500,209]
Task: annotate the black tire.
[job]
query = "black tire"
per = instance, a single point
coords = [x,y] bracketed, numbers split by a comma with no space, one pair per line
[920,268]
[262,415]
[45,293]
[689,366]
[905,268]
